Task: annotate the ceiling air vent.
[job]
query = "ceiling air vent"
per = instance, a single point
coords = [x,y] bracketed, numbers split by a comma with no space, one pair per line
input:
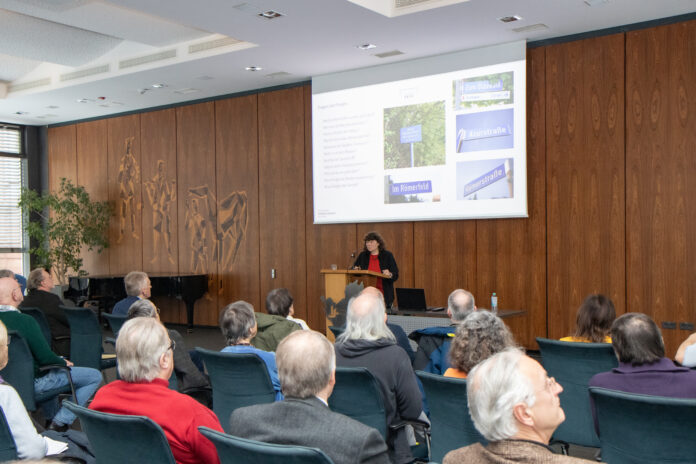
[84,73]
[531,28]
[141,60]
[29,85]
[388,54]
[209,45]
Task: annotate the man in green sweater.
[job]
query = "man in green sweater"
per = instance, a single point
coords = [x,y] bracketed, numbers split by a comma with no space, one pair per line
[86,380]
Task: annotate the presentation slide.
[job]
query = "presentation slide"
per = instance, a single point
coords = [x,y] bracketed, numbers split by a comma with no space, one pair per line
[450,144]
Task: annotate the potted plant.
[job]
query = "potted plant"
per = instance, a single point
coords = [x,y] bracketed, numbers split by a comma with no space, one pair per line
[62,223]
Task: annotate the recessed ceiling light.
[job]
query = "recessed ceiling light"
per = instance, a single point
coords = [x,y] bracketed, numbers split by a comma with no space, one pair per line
[205,78]
[82,100]
[510,19]
[52,107]
[19,113]
[366,46]
[186,90]
[596,2]
[158,86]
[253,68]
[270,14]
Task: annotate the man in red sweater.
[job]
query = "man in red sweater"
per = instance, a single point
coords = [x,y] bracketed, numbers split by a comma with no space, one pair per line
[145,363]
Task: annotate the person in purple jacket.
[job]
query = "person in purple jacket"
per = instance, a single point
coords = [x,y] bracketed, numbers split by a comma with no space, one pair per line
[643,367]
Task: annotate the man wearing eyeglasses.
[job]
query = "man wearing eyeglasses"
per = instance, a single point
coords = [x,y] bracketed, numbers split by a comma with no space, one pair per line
[145,363]
[515,406]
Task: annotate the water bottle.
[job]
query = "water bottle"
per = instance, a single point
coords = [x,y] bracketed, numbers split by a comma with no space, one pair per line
[494,303]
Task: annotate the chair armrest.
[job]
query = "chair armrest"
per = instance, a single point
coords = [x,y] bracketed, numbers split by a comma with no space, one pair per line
[48,367]
[62,337]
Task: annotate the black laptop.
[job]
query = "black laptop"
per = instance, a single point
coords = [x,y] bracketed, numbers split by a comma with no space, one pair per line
[413,299]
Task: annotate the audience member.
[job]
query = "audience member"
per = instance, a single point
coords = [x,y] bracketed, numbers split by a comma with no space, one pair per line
[279,302]
[138,287]
[187,374]
[686,353]
[238,325]
[85,379]
[29,444]
[271,329]
[481,335]
[434,342]
[367,342]
[21,280]
[40,284]
[594,319]
[307,368]
[145,363]
[643,367]
[515,406]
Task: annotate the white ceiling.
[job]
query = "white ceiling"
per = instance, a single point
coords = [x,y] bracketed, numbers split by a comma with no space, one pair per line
[43,43]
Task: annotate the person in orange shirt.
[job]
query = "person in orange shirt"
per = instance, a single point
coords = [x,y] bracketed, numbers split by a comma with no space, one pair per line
[594,319]
[479,336]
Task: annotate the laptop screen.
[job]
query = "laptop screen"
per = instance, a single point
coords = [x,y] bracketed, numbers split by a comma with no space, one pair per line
[411,299]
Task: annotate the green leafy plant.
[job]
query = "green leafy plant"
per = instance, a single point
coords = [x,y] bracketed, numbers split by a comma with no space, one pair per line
[62,223]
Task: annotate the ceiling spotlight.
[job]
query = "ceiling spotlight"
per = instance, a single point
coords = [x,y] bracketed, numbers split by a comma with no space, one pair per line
[253,68]
[510,19]
[158,86]
[19,113]
[82,100]
[52,107]
[270,14]
[366,46]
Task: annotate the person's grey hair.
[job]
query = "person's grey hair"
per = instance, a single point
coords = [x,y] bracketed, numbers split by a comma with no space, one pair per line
[481,335]
[368,323]
[142,308]
[139,346]
[493,388]
[460,303]
[305,360]
[4,338]
[135,282]
[35,278]
[236,321]
[6,273]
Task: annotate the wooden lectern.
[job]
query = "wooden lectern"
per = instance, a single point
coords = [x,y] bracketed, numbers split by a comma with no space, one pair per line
[335,282]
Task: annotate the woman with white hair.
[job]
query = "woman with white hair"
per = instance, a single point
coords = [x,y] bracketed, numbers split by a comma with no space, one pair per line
[367,342]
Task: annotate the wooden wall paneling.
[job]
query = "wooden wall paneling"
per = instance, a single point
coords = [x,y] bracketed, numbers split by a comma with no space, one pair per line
[237,171]
[282,194]
[62,155]
[585,176]
[159,199]
[124,169]
[398,237]
[660,168]
[327,244]
[511,253]
[195,145]
[444,258]
[92,173]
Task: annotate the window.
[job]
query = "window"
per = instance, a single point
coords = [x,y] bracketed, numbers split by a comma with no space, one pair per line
[13,252]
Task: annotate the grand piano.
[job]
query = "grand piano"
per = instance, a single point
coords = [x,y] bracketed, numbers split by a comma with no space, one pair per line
[107,290]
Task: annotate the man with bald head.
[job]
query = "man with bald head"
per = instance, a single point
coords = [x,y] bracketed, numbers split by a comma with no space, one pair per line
[307,368]
[85,379]
[434,342]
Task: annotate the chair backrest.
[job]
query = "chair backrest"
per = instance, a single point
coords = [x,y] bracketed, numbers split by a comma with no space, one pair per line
[235,450]
[8,449]
[642,429]
[40,318]
[19,371]
[337,330]
[357,395]
[85,337]
[115,321]
[237,380]
[451,426]
[572,365]
[117,439]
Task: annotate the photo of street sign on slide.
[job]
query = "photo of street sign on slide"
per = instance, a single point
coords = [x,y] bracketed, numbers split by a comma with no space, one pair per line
[414,135]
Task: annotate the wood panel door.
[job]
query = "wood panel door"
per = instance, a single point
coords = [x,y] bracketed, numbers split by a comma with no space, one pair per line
[444,258]
[282,258]
[511,253]
[585,176]
[124,177]
[62,155]
[159,192]
[237,161]
[660,172]
[92,173]
[327,244]
[195,146]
